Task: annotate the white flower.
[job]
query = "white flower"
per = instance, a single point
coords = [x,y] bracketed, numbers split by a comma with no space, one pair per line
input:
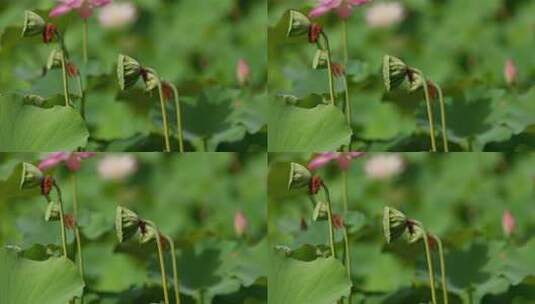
[117,15]
[384,14]
[384,166]
[117,167]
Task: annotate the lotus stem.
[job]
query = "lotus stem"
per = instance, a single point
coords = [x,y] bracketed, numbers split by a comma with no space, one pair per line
[442,117]
[178,119]
[164,116]
[430,268]
[442,269]
[175,272]
[331,222]
[162,269]
[85,41]
[430,116]
[65,79]
[62,220]
[329,68]
[347,260]
[82,96]
[77,230]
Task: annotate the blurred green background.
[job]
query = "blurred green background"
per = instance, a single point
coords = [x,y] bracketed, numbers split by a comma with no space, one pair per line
[460,197]
[192,197]
[194,44]
[461,45]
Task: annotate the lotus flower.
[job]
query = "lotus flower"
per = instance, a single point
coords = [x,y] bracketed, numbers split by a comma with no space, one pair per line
[84,8]
[72,160]
[243,72]
[510,71]
[240,223]
[343,159]
[508,223]
[117,15]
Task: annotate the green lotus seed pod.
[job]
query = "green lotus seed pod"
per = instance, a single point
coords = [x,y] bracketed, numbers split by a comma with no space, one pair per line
[416,80]
[126,223]
[149,233]
[128,71]
[321,60]
[33,24]
[321,212]
[54,59]
[31,177]
[52,213]
[299,24]
[394,72]
[416,233]
[394,224]
[152,80]
[300,177]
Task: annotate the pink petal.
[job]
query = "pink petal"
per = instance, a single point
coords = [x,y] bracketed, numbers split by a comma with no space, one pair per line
[508,223]
[510,71]
[321,160]
[59,10]
[318,11]
[85,11]
[100,3]
[345,10]
[52,160]
[240,223]
[358,2]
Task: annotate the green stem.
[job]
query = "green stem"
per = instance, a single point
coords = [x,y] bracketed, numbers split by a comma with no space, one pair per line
[62,221]
[331,222]
[330,68]
[178,119]
[430,116]
[345,41]
[77,230]
[430,268]
[65,79]
[442,269]
[175,272]
[347,111]
[162,269]
[164,116]
[442,117]
[82,96]
[345,194]
[347,260]
[85,41]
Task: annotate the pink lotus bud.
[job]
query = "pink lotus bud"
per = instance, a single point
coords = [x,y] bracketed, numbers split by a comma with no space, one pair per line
[240,223]
[243,72]
[510,71]
[508,223]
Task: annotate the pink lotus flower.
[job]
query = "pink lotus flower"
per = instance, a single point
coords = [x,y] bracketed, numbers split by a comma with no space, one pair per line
[240,223]
[116,167]
[71,159]
[343,159]
[83,7]
[508,223]
[385,14]
[510,71]
[117,15]
[384,166]
[344,8]
[243,72]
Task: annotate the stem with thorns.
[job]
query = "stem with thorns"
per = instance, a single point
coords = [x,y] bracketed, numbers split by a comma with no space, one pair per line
[164,117]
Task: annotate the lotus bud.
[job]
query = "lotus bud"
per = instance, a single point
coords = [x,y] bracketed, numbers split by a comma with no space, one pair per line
[33,24]
[54,59]
[394,224]
[321,60]
[149,232]
[151,79]
[300,177]
[394,72]
[299,24]
[52,213]
[321,212]
[128,71]
[127,223]
[31,177]
[416,231]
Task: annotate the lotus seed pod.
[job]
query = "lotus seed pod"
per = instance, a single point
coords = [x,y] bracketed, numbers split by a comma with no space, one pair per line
[54,59]
[416,80]
[151,79]
[300,177]
[149,232]
[33,24]
[31,177]
[321,60]
[416,232]
[299,24]
[394,72]
[52,212]
[128,71]
[394,224]
[126,223]
[321,212]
